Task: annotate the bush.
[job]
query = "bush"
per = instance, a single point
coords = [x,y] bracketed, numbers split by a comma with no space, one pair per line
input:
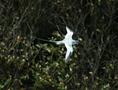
[28,63]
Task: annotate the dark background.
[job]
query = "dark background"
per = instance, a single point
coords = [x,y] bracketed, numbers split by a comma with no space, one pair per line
[28,63]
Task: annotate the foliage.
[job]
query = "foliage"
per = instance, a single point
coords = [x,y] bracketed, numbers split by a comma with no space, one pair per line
[27,63]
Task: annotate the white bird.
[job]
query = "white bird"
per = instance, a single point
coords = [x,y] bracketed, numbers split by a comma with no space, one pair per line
[68,42]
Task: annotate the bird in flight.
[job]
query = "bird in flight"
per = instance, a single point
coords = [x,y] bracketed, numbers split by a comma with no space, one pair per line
[68,42]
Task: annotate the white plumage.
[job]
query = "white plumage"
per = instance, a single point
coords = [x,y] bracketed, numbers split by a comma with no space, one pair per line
[68,42]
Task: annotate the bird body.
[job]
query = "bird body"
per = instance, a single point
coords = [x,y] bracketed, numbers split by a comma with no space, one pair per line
[68,42]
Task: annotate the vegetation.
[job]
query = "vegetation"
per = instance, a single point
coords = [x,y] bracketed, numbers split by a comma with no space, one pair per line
[28,63]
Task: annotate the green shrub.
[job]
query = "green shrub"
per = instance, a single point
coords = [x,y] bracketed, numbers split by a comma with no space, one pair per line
[27,63]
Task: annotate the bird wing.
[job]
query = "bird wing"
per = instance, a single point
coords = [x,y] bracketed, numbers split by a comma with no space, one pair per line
[69,33]
[68,29]
[69,51]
